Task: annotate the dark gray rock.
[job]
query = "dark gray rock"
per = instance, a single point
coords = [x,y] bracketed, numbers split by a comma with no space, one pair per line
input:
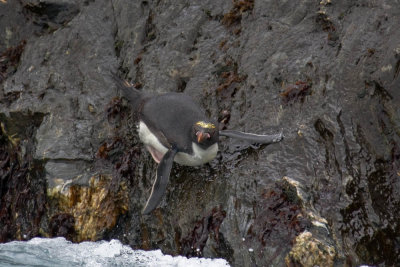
[326,73]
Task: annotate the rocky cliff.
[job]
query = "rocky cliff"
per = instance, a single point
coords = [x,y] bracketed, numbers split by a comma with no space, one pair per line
[326,73]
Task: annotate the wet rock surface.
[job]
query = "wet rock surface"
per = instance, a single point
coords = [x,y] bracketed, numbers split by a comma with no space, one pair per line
[326,73]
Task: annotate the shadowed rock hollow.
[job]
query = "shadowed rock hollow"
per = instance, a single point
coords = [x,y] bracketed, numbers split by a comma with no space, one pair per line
[325,72]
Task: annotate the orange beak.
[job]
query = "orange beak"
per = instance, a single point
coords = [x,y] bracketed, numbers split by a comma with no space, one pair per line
[201,136]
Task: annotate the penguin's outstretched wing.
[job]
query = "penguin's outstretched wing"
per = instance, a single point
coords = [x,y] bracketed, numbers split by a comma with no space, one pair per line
[160,184]
[252,138]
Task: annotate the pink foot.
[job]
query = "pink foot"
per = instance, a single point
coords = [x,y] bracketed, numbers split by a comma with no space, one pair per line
[157,155]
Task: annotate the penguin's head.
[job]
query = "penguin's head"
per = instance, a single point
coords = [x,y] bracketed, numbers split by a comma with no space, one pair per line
[205,133]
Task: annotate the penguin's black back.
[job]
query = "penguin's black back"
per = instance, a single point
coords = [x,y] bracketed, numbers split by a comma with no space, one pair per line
[173,114]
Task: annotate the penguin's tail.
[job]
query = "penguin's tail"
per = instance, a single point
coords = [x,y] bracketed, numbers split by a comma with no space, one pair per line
[134,96]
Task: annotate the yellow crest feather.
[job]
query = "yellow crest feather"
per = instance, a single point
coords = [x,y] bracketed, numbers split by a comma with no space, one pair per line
[206,125]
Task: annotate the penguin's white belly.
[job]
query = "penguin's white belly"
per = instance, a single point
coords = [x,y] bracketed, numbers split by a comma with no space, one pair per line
[199,157]
[157,150]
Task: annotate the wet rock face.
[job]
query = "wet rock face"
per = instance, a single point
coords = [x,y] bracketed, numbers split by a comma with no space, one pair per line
[62,224]
[22,183]
[325,72]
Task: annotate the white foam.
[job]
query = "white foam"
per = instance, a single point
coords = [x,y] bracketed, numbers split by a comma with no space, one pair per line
[50,251]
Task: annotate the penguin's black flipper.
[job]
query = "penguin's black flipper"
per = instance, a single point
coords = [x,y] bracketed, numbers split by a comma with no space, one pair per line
[160,184]
[253,138]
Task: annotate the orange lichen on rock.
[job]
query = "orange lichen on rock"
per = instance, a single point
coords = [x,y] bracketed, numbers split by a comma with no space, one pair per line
[297,91]
[309,251]
[95,207]
[235,14]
